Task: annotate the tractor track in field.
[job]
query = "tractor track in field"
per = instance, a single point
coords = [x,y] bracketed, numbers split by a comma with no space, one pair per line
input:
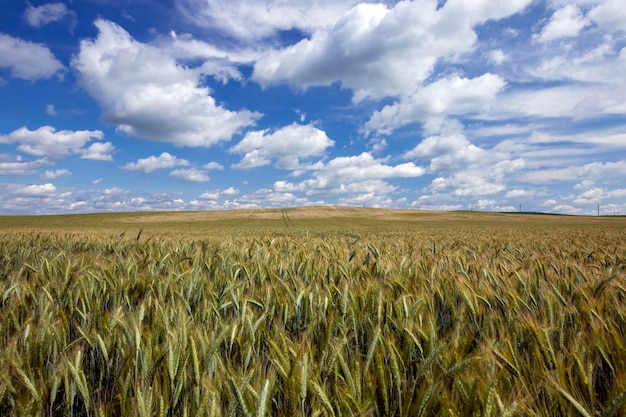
[286,218]
[250,217]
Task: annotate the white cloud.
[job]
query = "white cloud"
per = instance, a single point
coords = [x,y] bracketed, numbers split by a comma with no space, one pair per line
[287,145]
[497,57]
[27,60]
[604,170]
[230,191]
[603,139]
[568,209]
[517,192]
[37,189]
[478,181]
[114,191]
[484,204]
[617,193]
[610,15]
[99,151]
[250,20]
[49,199]
[503,129]
[570,101]
[152,163]
[365,166]
[367,199]
[361,174]
[190,174]
[14,165]
[567,21]
[50,110]
[33,199]
[591,171]
[46,13]
[266,197]
[584,184]
[453,95]
[377,51]
[449,152]
[46,141]
[53,175]
[378,145]
[213,165]
[217,194]
[471,170]
[591,196]
[220,63]
[594,62]
[147,94]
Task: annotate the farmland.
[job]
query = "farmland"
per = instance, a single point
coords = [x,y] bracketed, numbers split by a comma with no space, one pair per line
[313,312]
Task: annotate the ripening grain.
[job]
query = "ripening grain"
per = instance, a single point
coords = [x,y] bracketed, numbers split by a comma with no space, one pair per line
[295,317]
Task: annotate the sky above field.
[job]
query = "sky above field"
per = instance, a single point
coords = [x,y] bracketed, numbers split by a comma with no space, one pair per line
[495,105]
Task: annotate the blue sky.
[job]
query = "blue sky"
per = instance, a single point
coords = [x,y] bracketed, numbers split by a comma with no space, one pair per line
[127,105]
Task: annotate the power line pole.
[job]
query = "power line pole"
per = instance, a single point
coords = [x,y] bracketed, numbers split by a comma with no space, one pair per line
[598,210]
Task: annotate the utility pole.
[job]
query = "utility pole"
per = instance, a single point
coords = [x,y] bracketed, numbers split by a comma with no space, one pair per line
[598,210]
[520,208]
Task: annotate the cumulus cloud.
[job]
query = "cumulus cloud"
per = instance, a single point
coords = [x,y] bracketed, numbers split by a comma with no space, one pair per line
[448,96]
[478,181]
[567,21]
[266,197]
[53,175]
[378,51]
[46,13]
[37,189]
[448,152]
[33,198]
[569,209]
[213,165]
[27,60]
[517,192]
[153,163]
[610,15]
[190,174]
[497,57]
[463,168]
[361,174]
[249,20]
[49,199]
[591,196]
[287,146]
[15,165]
[218,194]
[367,199]
[218,62]
[99,152]
[47,141]
[147,94]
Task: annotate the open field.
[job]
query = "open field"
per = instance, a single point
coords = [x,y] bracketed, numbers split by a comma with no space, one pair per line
[321,311]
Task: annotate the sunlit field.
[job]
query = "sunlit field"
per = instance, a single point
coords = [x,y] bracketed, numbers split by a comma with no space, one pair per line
[313,312]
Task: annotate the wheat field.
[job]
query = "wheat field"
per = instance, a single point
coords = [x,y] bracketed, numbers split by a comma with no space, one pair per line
[313,312]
